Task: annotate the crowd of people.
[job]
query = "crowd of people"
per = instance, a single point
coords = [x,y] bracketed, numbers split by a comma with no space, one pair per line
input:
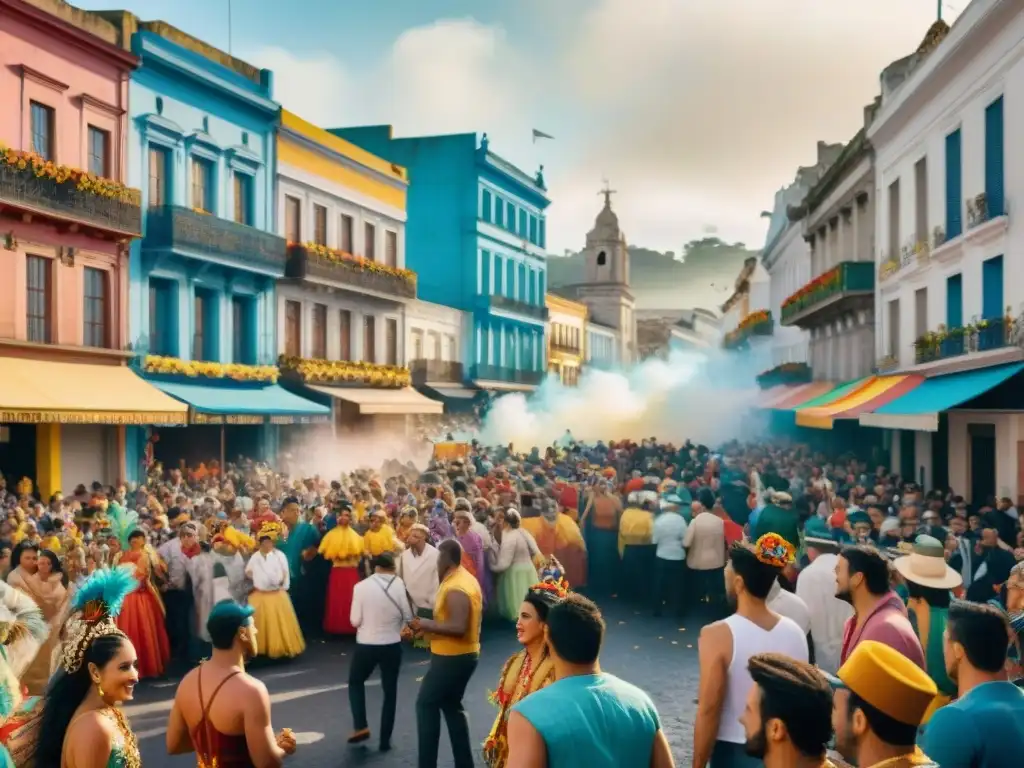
[844,603]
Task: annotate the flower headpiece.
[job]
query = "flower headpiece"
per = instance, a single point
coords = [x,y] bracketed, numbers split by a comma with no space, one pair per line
[552,584]
[772,549]
[95,608]
[237,539]
[271,529]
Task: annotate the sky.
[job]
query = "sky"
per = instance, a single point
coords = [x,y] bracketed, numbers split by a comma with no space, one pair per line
[695,111]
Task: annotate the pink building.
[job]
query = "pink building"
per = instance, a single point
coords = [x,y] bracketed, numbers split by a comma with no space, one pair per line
[66,220]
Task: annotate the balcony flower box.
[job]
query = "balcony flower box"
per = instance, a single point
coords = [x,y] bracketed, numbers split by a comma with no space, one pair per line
[979,336]
[331,372]
[319,261]
[173,366]
[849,276]
[757,323]
[787,373]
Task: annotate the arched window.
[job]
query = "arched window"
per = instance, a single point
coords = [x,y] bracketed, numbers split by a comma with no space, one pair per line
[602,258]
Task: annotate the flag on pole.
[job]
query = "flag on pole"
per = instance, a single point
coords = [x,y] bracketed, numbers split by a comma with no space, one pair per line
[540,135]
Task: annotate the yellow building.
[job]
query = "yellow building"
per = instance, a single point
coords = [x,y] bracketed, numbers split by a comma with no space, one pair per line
[566,338]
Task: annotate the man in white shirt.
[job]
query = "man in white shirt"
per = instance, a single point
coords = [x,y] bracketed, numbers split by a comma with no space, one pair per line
[670,556]
[418,568]
[816,586]
[381,610]
[705,552]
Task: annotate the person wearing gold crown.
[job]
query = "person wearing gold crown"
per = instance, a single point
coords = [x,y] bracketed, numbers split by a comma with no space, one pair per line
[81,724]
[530,669]
[276,623]
[142,615]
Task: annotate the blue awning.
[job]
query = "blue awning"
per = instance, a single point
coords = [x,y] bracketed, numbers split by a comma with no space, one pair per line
[239,403]
[919,409]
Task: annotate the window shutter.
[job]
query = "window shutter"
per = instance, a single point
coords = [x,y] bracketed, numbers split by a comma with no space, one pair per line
[954,192]
[994,157]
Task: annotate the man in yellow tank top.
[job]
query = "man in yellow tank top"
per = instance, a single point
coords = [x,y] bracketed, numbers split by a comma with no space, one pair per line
[454,635]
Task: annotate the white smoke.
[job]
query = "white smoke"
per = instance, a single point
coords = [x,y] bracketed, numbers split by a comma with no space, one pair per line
[706,398]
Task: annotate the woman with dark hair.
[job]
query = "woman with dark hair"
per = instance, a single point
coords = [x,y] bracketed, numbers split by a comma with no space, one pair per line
[513,563]
[40,577]
[531,668]
[275,621]
[81,725]
[142,618]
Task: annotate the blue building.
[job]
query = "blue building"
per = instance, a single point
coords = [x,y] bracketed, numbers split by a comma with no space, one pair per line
[476,236]
[202,149]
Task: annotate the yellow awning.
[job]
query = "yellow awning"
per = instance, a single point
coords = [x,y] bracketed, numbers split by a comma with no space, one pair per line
[874,389]
[383,401]
[45,392]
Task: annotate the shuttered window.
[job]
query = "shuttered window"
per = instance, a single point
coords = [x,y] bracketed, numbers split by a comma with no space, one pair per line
[954,301]
[391,248]
[954,186]
[994,158]
[992,288]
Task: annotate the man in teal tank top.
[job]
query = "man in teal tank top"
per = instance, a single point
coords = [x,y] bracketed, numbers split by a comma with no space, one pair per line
[586,717]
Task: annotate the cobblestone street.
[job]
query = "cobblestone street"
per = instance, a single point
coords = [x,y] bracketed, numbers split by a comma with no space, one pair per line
[310,694]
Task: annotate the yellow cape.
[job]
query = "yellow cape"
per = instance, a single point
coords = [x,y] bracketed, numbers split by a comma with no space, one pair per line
[341,543]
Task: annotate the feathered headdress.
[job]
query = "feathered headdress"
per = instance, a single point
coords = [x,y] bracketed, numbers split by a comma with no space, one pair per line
[237,539]
[772,549]
[95,608]
[122,523]
[552,584]
[272,529]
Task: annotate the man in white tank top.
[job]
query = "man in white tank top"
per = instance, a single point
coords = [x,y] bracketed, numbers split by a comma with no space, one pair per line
[726,647]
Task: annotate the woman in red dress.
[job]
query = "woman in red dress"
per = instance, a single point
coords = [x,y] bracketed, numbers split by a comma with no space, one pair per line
[142,617]
[343,548]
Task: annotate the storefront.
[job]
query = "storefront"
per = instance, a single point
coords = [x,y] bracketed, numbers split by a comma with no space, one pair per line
[361,410]
[77,415]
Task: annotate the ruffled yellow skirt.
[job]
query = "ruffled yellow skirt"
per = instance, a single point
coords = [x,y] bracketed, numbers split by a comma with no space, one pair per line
[277,627]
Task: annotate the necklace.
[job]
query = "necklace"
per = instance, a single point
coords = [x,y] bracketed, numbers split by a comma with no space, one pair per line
[130,757]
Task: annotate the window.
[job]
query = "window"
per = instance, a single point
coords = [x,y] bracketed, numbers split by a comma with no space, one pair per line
[451,347]
[533,229]
[920,312]
[242,337]
[292,219]
[921,200]
[198,340]
[345,328]
[293,329]
[954,301]
[499,211]
[40,295]
[95,308]
[42,130]
[346,233]
[417,344]
[954,187]
[992,288]
[522,223]
[202,185]
[510,217]
[319,225]
[99,151]
[391,248]
[243,199]
[391,341]
[894,220]
[320,331]
[158,176]
[370,241]
[204,339]
[542,235]
[162,318]
[369,339]
[995,150]
[433,345]
[485,206]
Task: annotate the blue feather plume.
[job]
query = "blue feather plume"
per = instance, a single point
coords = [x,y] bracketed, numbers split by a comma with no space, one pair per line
[109,587]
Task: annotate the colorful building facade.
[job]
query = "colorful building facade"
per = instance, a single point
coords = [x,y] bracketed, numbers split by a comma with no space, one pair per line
[341,308]
[476,238]
[68,211]
[202,312]
[566,338]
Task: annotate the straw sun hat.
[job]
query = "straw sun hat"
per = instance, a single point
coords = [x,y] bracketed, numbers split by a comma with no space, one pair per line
[926,565]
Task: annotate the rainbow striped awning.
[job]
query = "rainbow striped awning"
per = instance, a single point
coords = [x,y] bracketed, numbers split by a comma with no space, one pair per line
[863,396]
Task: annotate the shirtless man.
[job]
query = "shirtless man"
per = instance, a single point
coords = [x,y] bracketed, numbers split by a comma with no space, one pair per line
[220,712]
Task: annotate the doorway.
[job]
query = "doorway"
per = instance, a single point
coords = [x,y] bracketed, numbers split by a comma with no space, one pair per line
[982,462]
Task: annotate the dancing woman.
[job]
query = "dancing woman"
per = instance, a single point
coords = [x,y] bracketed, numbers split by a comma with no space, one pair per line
[82,725]
[531,668]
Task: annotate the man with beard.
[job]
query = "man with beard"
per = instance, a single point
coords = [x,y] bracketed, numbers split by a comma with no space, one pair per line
[986,723]
[230,725]
[862,579]
[727,645]
[788,717]
[879,700]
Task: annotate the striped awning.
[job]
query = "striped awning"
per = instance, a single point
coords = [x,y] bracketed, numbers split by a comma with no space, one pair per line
[868,395]
[802,393]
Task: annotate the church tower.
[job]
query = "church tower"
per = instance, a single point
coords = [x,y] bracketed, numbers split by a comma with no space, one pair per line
[605,286]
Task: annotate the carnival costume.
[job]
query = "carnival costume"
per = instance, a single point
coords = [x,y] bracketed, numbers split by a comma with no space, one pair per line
[95,610]
[21,623]
[142,615]
[343,547]
[276,624]
[519,677]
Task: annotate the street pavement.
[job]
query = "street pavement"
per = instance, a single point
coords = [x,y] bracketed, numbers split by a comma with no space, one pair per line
[309,694]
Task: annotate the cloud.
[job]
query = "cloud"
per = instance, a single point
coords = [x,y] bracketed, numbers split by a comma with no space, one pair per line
[316,87]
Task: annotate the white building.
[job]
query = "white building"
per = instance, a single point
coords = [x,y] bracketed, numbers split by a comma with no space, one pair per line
[602,346]
[950,252]
[434,342]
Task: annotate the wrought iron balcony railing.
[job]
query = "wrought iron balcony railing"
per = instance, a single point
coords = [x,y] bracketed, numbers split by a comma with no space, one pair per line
[518,307]
[305,263]
[22,190]
[424,370]
[508,375]
[983,336]
[182,229]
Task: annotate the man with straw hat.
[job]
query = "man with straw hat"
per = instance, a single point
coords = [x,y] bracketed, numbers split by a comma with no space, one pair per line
[880,698]
[929,581]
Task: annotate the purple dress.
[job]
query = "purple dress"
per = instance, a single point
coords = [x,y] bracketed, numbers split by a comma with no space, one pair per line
[473,546]
[440,528]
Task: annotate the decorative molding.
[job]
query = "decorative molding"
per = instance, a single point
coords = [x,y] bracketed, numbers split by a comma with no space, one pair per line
[66,255]
[99,105]
[332,155]
[164,130]
[203,145]
[36,76]
[243,159]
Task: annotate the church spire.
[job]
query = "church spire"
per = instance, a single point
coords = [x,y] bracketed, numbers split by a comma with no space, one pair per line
[607,192]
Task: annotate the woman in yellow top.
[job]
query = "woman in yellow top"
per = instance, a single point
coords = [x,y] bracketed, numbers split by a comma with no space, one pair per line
[380,537]
[343,547]
[530,669]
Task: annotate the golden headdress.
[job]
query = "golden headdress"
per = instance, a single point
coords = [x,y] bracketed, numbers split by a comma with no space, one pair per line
[272,529]
[238,540]
[95,608]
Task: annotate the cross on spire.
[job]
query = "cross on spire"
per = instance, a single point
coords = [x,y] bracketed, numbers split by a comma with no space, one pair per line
[607,192]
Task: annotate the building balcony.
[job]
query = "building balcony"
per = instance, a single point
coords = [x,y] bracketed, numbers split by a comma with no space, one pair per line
[515,306]
[983,336]
[174,228]
[329,266]
[887,364]
[438,371]
[68,196]
[910,257]
[786,373]
[567,349]
[849,286]
[507,375]
[758,323]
